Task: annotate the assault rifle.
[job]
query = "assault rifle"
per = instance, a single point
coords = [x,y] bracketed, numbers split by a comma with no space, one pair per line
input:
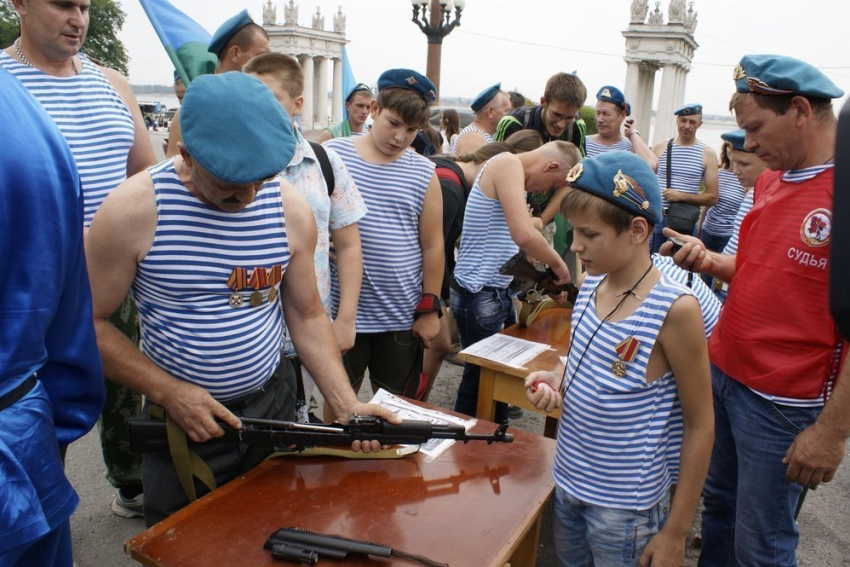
[543,280]
[150,435]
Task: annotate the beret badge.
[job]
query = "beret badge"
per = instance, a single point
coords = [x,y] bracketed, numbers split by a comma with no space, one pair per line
[575,172]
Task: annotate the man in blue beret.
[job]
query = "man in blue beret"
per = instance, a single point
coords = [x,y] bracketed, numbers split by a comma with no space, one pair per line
[51,383]
[685,164]
[781,386]
[641,363]
[488,107]
[358,103]
[112,145]
[211,242]
[612,111]
[235,42]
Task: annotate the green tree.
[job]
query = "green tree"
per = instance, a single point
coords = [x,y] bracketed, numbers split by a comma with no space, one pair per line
[102,41]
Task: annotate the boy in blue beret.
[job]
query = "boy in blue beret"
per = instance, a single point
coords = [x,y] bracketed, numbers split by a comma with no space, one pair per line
[636,415]
[781,388]
[402,236]
[489,107]
[612,111]
[212,243]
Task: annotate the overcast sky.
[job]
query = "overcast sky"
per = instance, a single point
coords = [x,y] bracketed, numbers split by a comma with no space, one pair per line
[523,42]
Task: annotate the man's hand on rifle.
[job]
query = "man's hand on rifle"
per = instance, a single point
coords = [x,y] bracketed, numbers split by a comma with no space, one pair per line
[195,411]
[361,408]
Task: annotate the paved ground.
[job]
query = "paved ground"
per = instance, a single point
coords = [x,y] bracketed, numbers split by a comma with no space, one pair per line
[99,535]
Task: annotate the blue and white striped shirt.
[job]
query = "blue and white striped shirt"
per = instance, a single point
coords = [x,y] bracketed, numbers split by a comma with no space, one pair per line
[389,235]
[688,169]
[92,117]
[485,243]
[720,217]
[594,148]
[619,438]
[709,305]
[471,128]
[181,288]
[746,204]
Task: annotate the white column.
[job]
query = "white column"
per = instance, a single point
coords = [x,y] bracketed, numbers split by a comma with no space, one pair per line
[632,88]
[646,90]
[320,93]
[679,101]
[307,110]
[336,105]
[666,102]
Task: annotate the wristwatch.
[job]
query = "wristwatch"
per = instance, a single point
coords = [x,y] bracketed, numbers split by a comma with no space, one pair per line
[429,303]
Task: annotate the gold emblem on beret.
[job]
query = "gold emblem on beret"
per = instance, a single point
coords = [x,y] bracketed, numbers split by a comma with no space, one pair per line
[621,184]
[754,84]
[645,205]
[738,73]
[575,172]
[411,80]
[606,92]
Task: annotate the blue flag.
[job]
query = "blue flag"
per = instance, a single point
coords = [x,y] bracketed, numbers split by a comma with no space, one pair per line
[348,81]
[184,39]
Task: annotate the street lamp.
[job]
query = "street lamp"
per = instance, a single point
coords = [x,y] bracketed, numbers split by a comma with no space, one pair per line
[435,28]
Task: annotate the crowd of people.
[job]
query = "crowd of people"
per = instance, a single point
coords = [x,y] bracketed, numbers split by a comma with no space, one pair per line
[253,266]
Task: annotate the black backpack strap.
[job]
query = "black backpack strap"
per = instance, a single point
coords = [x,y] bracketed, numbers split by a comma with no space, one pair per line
[325,164]
[669,160]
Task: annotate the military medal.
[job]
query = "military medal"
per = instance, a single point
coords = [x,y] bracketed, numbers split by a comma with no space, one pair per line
[237,280]
[626,352]
[258,280]
[275,276]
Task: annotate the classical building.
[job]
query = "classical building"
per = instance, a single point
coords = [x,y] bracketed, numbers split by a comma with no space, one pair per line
[314,47]
[652,45]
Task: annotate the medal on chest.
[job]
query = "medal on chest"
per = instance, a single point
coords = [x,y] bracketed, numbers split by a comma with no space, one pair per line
[626,351]
[238,280]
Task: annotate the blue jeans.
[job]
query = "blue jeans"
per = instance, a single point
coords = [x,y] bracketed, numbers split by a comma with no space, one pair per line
[587,535]
[478,316]
[749,506]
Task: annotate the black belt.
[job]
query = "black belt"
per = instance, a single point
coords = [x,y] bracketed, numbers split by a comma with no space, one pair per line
[12,397]
[463,291]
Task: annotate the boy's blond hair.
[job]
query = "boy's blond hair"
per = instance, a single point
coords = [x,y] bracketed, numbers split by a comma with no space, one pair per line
[284,68]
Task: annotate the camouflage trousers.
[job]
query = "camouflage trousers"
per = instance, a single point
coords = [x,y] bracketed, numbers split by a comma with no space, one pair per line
[123,468]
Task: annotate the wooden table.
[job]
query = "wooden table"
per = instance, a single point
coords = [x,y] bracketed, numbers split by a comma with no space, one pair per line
[476,505]
[501,383]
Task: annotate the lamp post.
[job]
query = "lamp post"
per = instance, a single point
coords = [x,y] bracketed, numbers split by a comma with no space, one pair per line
[435,28]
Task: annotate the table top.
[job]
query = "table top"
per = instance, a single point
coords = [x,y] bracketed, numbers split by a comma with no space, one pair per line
[486,494]
[551,327]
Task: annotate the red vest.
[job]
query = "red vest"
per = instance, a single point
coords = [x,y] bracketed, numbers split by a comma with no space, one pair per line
[775,333]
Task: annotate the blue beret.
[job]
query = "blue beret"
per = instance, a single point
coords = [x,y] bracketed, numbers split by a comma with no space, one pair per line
[689,110]
[614,95]
[623,179]
[227,30]
[235,128]
[408,79]
[359,87]
[781,75]
[736,138]
[485,96]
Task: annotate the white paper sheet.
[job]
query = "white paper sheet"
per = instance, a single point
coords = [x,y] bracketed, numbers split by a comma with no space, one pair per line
[506,350]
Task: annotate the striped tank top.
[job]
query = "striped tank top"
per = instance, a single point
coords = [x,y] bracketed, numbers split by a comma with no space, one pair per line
[389,236]
[92,117]
[183,288]
[720,217]
[485,242]
[746,205]
[471,128]
[619,438]
[709,305]
[688,169]
[594,148]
